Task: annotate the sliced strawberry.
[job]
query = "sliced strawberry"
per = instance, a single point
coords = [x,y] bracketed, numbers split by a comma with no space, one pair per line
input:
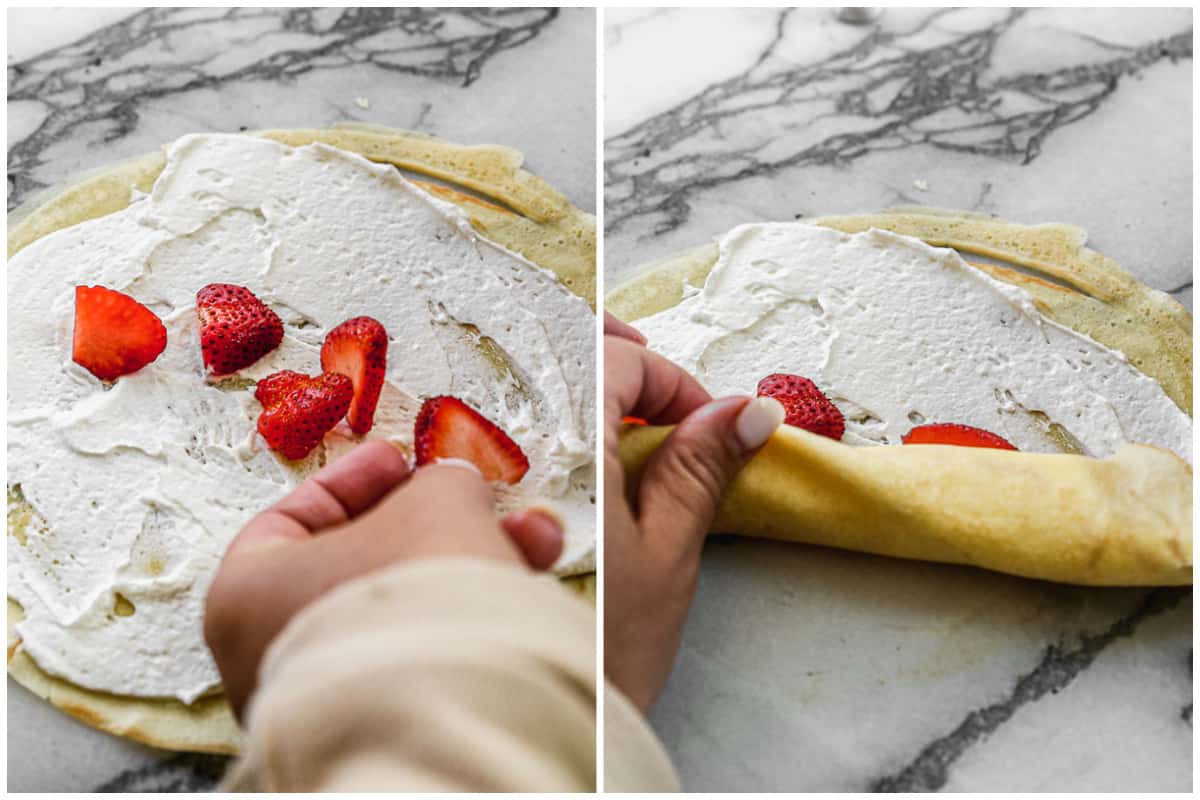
[273,388]
[299,417]
[114,334]
[953,433]
[449,428]
[358,349]
[236,328]
[805,405]
[634,421]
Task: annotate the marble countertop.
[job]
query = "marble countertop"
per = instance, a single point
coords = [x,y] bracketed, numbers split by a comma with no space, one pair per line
[88,87]
[806,669]
[127,83]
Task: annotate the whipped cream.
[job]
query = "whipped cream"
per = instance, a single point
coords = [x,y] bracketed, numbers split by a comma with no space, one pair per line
[898,334]
[137,487]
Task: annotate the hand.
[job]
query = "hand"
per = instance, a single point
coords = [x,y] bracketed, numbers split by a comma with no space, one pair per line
[652,550]
[364,512]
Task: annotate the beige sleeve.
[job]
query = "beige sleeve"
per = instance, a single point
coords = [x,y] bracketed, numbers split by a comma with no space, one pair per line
[443,675]
[634,760]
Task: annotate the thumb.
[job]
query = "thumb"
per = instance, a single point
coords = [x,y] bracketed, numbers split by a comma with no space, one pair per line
[684,480]
[537,533]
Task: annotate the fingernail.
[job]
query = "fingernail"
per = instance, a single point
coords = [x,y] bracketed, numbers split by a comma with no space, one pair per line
[757,421]
[461,463]
[404,451]
[549,515]
[615,327]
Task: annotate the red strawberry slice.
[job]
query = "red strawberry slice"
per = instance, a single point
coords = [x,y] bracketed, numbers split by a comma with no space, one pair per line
[358,349]
[273,388]
[299,417]
[634,421]
[114,334]
[449,428]
[236,328]
[953,433]
[805,405]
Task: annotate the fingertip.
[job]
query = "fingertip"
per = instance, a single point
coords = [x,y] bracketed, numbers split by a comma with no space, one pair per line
[757,420]
[538,534]
[387,455]
[622,330]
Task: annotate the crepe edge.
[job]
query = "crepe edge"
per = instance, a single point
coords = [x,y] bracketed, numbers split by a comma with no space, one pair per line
[525,213]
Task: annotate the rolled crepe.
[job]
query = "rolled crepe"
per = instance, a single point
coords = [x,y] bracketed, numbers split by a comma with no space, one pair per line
[1125,520]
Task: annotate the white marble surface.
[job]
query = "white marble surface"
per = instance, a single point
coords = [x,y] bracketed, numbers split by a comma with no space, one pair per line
[806,669]
[88,87]
[519,77]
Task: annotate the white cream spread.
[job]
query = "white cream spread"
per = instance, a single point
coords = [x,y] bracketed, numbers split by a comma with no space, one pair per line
[897,334]
[138,487]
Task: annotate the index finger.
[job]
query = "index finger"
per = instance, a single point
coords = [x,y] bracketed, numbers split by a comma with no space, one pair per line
[334,495]
[641,383]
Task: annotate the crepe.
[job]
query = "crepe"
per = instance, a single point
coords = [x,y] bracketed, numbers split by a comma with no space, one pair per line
[1124,520]
[504,203]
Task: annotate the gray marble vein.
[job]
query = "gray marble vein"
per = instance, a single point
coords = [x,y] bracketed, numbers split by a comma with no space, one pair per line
[268,66]
[877,95]
[911,86]
[186,772]
[929,771]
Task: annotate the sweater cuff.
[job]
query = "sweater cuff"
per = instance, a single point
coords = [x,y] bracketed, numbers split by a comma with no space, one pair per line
[634,759]
[442,674]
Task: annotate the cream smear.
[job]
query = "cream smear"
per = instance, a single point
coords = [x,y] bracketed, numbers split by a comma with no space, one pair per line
[898,334]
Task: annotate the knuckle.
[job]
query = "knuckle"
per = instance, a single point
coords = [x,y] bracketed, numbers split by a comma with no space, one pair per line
[695,483]
[704,469]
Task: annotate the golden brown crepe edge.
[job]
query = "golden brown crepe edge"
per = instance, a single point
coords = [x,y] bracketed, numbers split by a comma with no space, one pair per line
[543,225]
[206,726]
